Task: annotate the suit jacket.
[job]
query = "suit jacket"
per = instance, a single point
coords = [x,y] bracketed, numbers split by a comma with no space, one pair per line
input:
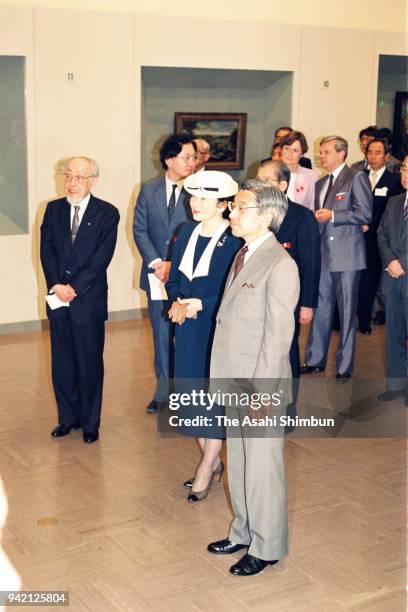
[392,164]
[304,187]
[152,230]
[388,186]
[392,239]
[305,162]
[83,264]
[255,322]
[299,235]
[342,242]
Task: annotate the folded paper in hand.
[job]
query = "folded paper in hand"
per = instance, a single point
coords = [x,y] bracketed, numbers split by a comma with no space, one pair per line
[54,302]
[157,289]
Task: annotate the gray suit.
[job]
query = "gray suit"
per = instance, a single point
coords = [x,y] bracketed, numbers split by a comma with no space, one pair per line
[154,235]
[392,243]
[343,258]
[255,326]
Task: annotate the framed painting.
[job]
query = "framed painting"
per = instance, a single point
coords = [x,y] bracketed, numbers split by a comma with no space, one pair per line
[401,124]
[224,132]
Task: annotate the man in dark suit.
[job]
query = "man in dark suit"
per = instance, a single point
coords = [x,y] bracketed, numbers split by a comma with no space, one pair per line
[299,235]
[392,242]
[384,185]
[365,136]
[161,208]
[78,238]
[343,204]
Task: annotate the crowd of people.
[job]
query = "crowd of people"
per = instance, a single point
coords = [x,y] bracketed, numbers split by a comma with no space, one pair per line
[231,272]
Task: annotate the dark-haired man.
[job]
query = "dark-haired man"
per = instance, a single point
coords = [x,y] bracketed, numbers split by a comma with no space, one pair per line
[161,207]
[384,185]
[365,136]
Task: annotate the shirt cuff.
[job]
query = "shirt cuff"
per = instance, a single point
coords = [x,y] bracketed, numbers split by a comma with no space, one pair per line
[154,261]
[332,219]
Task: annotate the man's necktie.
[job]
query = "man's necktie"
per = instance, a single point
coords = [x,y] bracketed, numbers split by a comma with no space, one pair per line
[239,262]
[330,185]
[172,201]
[75,224]
[373,180]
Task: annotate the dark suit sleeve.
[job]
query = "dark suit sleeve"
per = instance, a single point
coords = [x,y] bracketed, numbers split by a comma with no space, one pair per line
[309,260]
[383,238]
[173,283]
[361,209]
[141,229]
[47,250]
[100,260]
[305,162]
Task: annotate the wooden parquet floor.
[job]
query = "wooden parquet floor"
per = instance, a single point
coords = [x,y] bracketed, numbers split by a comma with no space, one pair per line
[125,538]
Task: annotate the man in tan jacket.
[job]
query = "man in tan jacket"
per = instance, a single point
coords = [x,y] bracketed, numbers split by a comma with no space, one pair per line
[255,326]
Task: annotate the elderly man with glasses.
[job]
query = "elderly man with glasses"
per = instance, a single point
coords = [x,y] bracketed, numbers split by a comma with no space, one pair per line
[78,238]
[161,208]
[253,335]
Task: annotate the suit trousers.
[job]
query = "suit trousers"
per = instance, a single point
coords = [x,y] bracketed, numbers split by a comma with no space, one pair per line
[77,370]
[256,479]
[340,287]
[294,356]
[368,282]
[396,312]
[163,332]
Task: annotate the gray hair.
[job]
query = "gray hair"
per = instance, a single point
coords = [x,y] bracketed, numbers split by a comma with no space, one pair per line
[281,170]
[341,143]
[269,199]
[91,162]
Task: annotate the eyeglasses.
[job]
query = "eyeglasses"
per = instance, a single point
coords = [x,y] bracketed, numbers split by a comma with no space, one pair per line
[240,207]
[403,169]
[77,177]
[187,158]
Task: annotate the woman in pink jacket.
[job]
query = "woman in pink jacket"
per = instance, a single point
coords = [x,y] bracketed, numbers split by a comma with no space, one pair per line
[302,180]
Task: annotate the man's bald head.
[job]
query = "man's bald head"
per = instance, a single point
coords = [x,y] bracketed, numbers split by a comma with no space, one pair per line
[274,172]
[203,153]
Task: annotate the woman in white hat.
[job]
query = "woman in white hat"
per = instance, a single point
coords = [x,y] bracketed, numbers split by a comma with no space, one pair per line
[202,256]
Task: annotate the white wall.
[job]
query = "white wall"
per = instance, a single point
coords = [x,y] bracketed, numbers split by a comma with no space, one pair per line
[99,113]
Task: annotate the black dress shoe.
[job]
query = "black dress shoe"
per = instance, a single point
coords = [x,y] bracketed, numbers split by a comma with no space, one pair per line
[309,369]
[152,408]
[366,331]
[63,430]
[249,566]
[379,318]
[225,547]
[388,396]
[343,378]
[90,436]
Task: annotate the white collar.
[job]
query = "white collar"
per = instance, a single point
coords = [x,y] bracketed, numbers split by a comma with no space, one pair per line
[378,173]
[337,171]
[252,246]
[83,203]
[202,268]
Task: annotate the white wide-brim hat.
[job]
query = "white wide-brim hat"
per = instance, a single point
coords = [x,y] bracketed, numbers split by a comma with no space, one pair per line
[210,184]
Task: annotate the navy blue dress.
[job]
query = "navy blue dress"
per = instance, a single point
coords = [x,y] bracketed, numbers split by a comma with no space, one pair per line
[194,338]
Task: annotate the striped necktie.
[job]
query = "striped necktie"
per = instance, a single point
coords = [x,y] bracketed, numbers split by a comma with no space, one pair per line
[172,201]
[405,213]
[75,224]
[239,262]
